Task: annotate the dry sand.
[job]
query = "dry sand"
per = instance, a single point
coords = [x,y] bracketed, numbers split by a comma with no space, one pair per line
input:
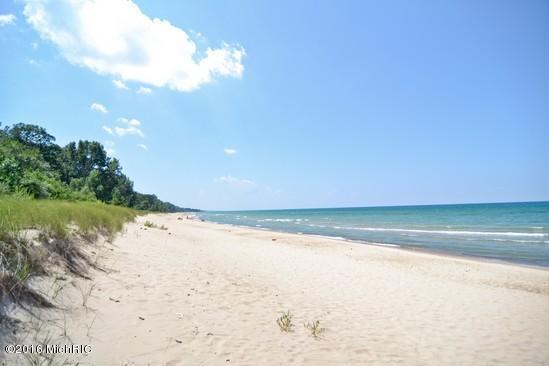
[207,294]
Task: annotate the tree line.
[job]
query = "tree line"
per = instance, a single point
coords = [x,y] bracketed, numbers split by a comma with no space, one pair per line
[32,163]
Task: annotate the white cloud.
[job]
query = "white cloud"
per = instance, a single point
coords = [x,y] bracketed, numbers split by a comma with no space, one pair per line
[109,147]
[230,151]
[131,122]
[32,62]
[7,19]
[34,45]
[114,37]
[143,146]
[130,130]
[236,182]
[120,84]
[144,90]
[98,107]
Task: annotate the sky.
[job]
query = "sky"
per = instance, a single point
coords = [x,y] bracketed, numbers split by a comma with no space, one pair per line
[227,105]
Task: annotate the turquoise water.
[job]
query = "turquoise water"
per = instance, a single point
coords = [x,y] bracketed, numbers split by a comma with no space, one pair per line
[515,232]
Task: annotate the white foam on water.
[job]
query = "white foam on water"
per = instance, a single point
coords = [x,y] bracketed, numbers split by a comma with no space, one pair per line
[520,241]
[328,237]
[446,232]
[386,245]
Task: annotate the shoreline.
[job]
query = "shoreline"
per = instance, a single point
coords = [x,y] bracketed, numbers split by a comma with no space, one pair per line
[184,291]
[434,252]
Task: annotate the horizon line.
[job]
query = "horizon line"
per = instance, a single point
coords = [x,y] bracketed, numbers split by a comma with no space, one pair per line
[380,206]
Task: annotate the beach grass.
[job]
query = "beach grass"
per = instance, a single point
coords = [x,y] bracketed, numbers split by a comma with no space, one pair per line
[152,225]
[314,328]
[285,322]
[57,217]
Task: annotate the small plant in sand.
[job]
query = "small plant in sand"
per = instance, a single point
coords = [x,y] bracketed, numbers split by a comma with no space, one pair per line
[40,335]
[86,293]
[285,321]
[89,326]
[152,225]
[57,286]
[315,328]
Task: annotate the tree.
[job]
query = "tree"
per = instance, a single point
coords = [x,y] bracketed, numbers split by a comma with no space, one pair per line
[34,136]
[16,159]
[123,193]
[31,135]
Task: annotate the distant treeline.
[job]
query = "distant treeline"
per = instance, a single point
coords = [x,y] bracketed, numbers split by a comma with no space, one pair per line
[31,163]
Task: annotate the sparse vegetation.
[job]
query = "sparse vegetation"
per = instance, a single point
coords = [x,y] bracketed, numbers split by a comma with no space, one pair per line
[285,324]
[86,293]
[60,227]
[38,334]
[315,328]
[285,321]
[152,225]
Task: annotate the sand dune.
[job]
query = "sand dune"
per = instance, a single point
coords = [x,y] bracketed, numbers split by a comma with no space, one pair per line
[206,294]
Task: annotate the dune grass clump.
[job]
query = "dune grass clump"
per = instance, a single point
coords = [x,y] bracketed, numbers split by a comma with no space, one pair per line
[152,225]
[285,322]
[315,329]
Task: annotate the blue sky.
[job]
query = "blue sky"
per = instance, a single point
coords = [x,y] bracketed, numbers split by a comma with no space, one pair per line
[287,104]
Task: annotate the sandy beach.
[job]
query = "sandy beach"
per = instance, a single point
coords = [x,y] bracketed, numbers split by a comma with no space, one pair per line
[200,293]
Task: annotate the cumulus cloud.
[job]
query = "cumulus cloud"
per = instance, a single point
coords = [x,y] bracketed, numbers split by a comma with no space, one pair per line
[143,146]
[120,84]
[114,37]
[130,130]
[131,122]
[236,182]
[230,151]
[109,147]
[131,127]
[7,19]
[144,90]
[98,107]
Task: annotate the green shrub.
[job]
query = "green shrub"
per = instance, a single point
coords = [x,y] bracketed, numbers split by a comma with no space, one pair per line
[35,184]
